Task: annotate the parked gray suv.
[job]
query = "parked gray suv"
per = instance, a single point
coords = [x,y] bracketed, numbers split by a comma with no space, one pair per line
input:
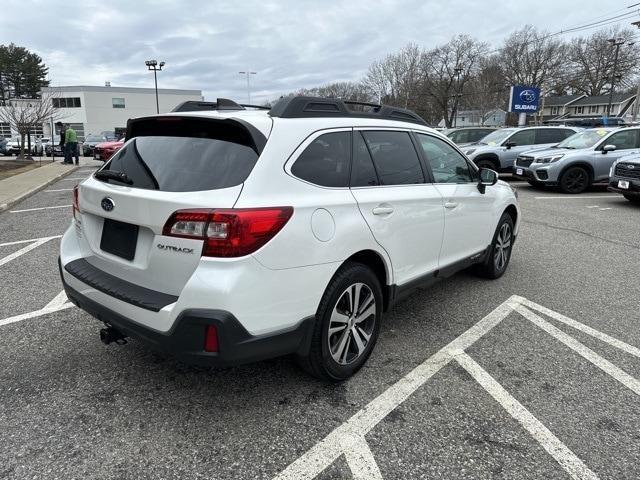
[499,149]
[580,160]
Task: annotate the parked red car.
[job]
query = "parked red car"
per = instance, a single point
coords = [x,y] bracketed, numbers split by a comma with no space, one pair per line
[103,151]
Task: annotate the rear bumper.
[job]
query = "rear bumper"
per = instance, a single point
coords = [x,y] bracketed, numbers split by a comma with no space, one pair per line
[185,340]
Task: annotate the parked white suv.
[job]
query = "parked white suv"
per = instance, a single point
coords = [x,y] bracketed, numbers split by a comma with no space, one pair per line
[233,235]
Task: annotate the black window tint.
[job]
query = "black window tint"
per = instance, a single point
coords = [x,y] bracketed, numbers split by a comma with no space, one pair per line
[623,140]
[394,157]
[185,163]
[552,135]
[363,174]
[477,135]
[447,165]
[326,160]
[524,137]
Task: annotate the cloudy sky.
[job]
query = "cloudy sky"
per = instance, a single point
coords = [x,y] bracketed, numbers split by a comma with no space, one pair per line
[289,43]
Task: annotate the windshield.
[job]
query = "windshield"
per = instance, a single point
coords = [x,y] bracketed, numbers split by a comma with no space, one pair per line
[495,138]
[585,139]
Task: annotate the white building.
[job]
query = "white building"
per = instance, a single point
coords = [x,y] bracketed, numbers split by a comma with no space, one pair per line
[97,109]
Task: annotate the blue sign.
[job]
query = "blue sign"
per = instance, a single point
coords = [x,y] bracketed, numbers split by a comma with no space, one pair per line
[524,99]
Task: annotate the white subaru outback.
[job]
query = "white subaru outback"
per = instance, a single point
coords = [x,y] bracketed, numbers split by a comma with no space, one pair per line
[224,234]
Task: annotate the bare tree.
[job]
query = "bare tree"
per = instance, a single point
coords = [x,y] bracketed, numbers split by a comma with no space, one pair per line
[447,70]
[486,90]
[24,114]
[592,60]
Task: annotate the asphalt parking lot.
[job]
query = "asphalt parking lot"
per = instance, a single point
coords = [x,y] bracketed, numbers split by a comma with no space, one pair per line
[535,375]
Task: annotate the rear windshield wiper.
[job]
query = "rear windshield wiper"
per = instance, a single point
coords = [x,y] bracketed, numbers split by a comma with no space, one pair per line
[113,175]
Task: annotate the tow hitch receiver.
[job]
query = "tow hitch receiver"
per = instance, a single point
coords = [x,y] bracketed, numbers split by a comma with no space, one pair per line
[109,335]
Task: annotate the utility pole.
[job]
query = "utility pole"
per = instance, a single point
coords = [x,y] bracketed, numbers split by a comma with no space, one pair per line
[636,106]
[616,42]
[248,75]
[156,67]
[456,97]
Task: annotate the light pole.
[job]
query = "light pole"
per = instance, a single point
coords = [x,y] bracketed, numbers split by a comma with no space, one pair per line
[248,74]
[458,70]
[615,42]
[155,66]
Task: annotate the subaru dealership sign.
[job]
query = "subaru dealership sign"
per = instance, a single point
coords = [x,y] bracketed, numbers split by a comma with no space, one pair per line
[524,99]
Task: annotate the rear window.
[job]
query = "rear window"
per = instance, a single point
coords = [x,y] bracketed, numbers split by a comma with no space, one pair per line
[185,156]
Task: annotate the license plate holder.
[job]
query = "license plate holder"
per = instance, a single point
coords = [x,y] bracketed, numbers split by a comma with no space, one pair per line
[519,171]
[119,238]
[623,184]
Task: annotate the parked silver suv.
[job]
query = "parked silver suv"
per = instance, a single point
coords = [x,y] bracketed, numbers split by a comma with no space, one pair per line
[580,160]
[499,149]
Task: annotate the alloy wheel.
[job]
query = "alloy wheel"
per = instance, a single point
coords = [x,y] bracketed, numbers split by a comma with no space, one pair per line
[503,245]
[576,180]
[352,323]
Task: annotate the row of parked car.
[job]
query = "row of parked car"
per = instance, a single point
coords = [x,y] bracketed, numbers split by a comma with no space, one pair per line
[100,146]
[570,158]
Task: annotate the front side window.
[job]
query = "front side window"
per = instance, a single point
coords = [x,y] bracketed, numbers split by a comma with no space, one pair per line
[523,137]
[447,165]
[394,157]
[553,135]
[326,160]
[623,140]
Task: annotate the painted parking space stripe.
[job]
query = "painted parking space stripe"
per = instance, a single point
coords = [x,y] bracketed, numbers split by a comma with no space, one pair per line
[603,364]
[36,243]
[554,447]
[58,303]
[59,190]
[349,438]
[37,209]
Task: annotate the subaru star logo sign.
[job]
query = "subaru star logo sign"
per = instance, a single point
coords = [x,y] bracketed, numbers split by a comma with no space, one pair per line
[107,204]
[528,96]
[524,99]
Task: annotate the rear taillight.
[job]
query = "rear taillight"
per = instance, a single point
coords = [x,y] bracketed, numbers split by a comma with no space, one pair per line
[228,232]
[76,203]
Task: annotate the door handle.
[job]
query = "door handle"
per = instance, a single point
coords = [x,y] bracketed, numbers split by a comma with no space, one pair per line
[450,204]
[382,210]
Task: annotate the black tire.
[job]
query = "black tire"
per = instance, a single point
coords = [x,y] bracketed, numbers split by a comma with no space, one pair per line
[491,268]
[574,180]
[632,198]
[486,163]
[320,361]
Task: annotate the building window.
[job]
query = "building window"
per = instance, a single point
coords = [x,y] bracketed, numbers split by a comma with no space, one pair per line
[5,130]
[79,128]
[578,109]
[117,102]
[554,110]
[67,102]
[36,130]
[593,109]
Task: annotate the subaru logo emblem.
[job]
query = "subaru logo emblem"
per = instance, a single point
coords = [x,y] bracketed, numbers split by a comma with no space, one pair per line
[107,204]
[528,96]
[631,167]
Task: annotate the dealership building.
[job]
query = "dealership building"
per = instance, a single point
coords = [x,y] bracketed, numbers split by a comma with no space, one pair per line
[91,110]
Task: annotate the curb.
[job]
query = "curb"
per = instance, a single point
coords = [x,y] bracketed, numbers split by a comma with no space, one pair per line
[36,189]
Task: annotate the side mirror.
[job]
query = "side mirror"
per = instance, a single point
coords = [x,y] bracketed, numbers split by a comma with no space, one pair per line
[608,148]
[488,177]
[509,145]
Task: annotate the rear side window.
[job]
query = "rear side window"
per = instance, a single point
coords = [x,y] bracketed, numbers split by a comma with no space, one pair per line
[523,137]
[326,160]
[623,140]
[186,156]
[394,157]
[553,135]
[363,173]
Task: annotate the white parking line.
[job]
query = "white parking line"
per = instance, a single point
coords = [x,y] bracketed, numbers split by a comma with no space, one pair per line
[576,197]
[54,305]
[349,438]
[603,364]
[36,209]
[558,450]
[73,178]
[59,190]
[36,243]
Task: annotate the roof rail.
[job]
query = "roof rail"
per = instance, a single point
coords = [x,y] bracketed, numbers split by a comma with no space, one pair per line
[198,106]
[310,107]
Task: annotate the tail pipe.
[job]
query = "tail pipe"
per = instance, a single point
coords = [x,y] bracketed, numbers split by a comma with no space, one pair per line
[110,335]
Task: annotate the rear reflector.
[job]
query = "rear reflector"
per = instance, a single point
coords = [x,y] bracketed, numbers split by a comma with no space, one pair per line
[231,232]
[76,203]
[211,339]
